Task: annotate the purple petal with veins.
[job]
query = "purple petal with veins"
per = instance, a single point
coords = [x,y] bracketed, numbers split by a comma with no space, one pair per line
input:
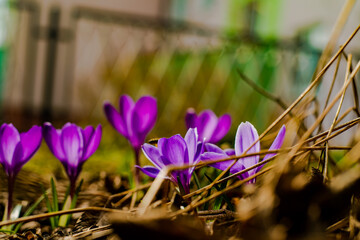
[222,128]
[149,170]
[245,137]
[174,151]
[115,119]
[134,119]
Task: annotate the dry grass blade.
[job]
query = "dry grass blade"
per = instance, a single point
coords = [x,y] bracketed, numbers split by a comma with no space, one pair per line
[94,233]
[336,117]
[313,84]
[124,193]
[197,202]
[154,188]
[355,92]
[331,89]
[324,113]
[58,213]
[339,224]
[339,25]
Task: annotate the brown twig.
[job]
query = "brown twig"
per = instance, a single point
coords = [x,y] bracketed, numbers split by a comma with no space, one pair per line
[235,185]
[262,91]
[127,192]
[58,213]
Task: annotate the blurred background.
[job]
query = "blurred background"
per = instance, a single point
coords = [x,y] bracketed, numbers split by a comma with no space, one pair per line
[60,60]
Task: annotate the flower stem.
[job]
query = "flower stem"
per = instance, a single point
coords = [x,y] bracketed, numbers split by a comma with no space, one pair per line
[72,188]
[11,180]
[136,170]
[137,179]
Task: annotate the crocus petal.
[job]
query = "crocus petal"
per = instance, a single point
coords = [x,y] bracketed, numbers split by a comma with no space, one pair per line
[191,143]
[206,124]
[173,149]
[149,170]
[72,144]
[246,135]
[230,152]
[115,119]
[87,134]
[126,107]
[209,147]
[16,161]
[238,166]
[144,117]
[199,151]
[222,128]
[9,138]
[52,139]
[91,143]
[243,175]
[184,179]
[207,156]
[30,141]
[275,145]
[191,118]
[152,153]
[277,142]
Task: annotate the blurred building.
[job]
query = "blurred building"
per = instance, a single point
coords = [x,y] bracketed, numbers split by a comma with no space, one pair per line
[65,57]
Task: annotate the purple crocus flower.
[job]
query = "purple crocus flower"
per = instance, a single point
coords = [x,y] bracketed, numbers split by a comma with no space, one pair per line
[16,149]
[72,145]
[134,121]
[175,151]
[210,128]
[246,135]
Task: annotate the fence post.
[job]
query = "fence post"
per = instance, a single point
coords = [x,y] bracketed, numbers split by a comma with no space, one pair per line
[52,37]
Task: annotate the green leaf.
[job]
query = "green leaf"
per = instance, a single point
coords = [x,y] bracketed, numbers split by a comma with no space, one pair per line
[7,231]
[67,193]
[55,204]
[65,219]
[48,205]
[218,200]
[217,204]
[197,182]
[206,205]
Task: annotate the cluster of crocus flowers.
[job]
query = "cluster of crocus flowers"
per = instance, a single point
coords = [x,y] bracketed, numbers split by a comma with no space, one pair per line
[72,145]
[174,151]
[246,136]
[210,128]
[16,149]
[134,120]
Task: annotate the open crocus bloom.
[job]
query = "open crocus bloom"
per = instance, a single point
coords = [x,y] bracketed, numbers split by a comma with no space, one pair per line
[210,128]
[133,120]
[72,145]
[17,148]
[246,135]
[176,151]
